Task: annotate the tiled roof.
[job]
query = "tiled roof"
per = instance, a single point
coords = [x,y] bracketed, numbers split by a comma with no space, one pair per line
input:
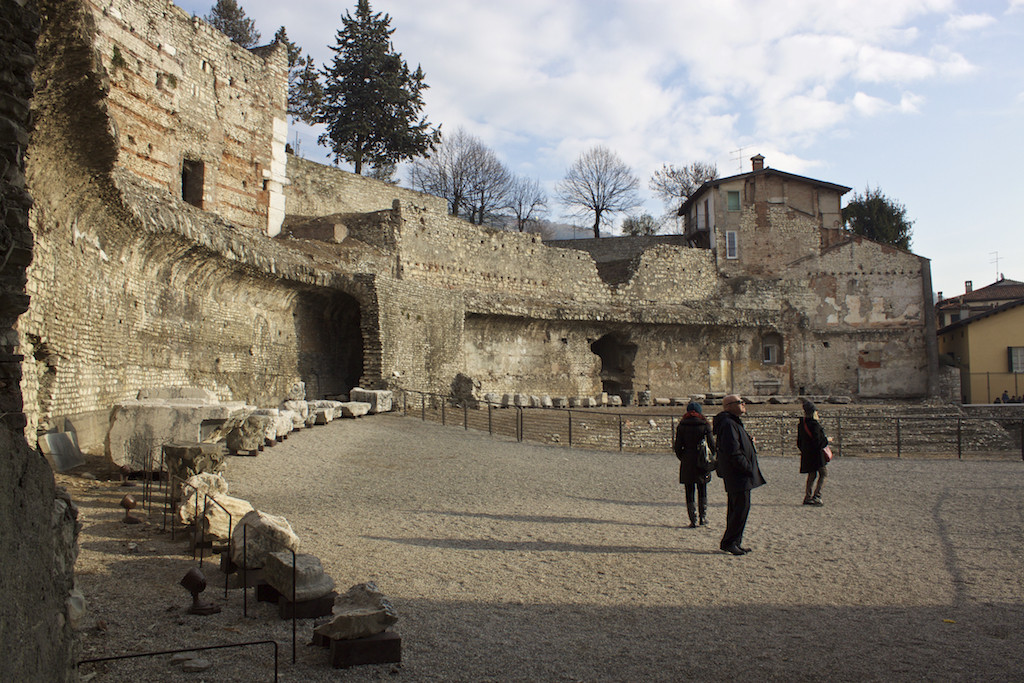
[984,314]
[1007,290]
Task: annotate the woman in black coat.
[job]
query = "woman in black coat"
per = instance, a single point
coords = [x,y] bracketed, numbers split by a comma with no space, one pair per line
[693,429]
[811,440]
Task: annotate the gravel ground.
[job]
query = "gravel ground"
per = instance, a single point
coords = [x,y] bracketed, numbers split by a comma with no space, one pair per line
[518,562]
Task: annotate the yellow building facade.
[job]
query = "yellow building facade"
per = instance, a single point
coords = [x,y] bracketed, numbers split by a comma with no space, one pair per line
[989,350]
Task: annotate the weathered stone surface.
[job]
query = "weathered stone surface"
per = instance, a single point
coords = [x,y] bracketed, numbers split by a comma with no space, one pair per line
[61,450]
[354,409]
[560,402]
[195,489]
[615,400]
[545,402]
[332,409]
[588,402]
[323,415]
[299,410]
[297,391]
[362,611]
[492,398]
[264,534]
[184,460]
[250,434]
[310,580]
[188,394]
[222,514]
[507,400]
[139,429]
[380,400]
[535,401]
[281,422]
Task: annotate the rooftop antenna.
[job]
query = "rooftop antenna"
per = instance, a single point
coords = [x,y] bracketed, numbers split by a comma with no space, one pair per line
[737,154]
[995,260]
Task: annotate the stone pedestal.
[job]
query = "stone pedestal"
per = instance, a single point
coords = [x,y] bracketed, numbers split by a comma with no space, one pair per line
[383,648]
[307,609]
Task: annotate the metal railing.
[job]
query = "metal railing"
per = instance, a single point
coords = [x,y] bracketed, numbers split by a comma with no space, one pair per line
[652,431]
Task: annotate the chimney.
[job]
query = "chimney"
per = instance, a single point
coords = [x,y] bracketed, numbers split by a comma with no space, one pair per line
[758,162]
[968,287]
[939,296]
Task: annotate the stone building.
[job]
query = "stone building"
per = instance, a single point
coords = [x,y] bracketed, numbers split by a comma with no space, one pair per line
[157,172]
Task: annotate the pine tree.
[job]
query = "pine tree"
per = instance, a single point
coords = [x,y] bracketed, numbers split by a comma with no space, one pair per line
[304,90]
[371,101]
[229,18]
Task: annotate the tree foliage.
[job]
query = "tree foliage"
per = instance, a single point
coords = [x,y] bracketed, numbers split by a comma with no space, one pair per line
[527,203]
[371,100]
[229,18]
[644,224]
[599,183]
[878,217]
[675,184]
[304,90]
[467,173]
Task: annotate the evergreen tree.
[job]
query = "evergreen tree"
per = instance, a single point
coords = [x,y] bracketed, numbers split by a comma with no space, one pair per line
[229,18]
[304,90]
[877,217]
[371,101]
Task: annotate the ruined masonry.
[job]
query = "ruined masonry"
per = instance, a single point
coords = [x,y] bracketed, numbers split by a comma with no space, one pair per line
[178,245]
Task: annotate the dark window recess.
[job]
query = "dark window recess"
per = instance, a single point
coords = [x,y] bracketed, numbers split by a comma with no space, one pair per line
[192,182]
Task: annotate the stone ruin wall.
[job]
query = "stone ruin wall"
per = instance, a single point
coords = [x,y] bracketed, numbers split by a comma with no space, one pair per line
[179,89]
[38,528]
[118,306]
[319,190]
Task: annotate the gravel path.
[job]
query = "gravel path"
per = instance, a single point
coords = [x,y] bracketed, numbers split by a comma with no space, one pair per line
[517,562]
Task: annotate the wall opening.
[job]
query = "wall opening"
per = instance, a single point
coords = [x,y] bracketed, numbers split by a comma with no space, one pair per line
[617,355]
[329,331]
[192,178]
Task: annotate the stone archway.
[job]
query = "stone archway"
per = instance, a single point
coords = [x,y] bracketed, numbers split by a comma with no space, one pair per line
[617,354]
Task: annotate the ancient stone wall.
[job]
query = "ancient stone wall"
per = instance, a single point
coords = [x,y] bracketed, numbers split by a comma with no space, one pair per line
[38,529]
[318,190]
[189,107]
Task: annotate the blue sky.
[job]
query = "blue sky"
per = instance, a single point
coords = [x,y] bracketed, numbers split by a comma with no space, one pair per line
[922,98]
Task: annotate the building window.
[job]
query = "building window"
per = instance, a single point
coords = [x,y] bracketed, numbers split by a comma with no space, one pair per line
[731,250]
[733,198]
[771,349]
[192,182]
[1015,355]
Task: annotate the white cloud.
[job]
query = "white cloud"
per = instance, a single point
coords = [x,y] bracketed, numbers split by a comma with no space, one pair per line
[968,22]
[1015,6]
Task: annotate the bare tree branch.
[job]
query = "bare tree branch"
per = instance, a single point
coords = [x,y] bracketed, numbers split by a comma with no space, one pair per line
[599,183]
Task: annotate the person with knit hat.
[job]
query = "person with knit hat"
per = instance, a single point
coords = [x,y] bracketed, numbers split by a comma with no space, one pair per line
[692,432]
[812,442]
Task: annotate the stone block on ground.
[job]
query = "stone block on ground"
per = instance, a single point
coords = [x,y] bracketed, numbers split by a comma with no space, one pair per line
[588,402]
[492,398]
[297,391]
[354,409]
[264,534]
[195,489]
[139,429]
[615,400]
[546,402]
[299,410]
[521,400]
[310,579]
[383,648]
[61,450]
[250,434]
[380,400]
[560,402]
[306,609]
[281,422]
[184,460]
[362,611]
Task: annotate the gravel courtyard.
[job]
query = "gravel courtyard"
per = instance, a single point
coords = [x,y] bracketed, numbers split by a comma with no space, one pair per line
[518,562]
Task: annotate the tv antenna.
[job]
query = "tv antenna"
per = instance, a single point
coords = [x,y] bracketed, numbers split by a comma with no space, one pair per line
[995,260]
[737,154]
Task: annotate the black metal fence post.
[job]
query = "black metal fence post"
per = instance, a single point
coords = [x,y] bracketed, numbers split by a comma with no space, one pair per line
[620,431]
[959,438]
[569,413]
[899,438]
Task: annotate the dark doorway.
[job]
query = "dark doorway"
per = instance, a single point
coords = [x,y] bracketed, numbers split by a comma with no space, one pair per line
[192,172]
[617,355]
[328,326]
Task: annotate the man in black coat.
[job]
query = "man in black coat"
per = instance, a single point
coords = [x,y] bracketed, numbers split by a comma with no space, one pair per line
[737,466]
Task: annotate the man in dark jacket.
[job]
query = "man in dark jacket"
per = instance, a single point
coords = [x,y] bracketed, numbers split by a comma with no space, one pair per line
[737,466]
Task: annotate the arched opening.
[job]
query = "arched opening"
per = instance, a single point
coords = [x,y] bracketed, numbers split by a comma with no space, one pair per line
[616,355]
[329,331]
